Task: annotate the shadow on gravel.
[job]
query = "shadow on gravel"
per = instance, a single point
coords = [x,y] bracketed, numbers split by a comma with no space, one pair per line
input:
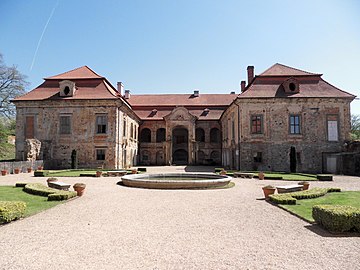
[324,233]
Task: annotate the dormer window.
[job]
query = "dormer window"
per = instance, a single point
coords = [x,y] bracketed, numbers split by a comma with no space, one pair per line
[291,86]
[67,88]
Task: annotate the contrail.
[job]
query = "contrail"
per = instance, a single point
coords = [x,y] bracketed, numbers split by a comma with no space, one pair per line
[42,34]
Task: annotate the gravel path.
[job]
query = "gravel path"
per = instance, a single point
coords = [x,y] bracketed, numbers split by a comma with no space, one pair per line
[115,227]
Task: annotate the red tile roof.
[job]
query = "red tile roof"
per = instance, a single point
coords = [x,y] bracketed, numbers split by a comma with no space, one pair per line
[147,114]
[269,85]
[83,72]
[282,70]
[182,100]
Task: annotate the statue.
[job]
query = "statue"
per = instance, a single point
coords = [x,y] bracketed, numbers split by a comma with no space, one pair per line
[32,149]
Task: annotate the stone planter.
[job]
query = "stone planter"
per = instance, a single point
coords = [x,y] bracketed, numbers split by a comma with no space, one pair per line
[223,172]
[134,171]
[305,185]
[79,188]
[98,173]
[268,190]
[16,171]
[261,176]
[4,172]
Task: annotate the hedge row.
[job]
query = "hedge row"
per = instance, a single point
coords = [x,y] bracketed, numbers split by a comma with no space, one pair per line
[337,218]
[41,173]
[20,184]
[11,210]
[290,198]
[52,193]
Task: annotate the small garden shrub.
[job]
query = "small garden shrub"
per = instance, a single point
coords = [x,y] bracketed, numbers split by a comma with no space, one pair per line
[52,193]
[20,185]
[324,177]
[142,169]
[290,198]
[41,173]
[62,195]
[11,210]
[218,170]
[337,218]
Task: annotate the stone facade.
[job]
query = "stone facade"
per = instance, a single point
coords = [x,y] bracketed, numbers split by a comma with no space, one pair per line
[281,111]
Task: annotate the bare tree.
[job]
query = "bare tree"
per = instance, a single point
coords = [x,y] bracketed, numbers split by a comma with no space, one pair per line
[12,84]
[355,127]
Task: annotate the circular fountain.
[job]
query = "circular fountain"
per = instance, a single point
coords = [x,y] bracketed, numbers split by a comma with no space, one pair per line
[176,180]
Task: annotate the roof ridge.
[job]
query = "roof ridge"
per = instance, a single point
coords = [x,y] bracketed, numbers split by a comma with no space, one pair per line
[75,69]
[287,67]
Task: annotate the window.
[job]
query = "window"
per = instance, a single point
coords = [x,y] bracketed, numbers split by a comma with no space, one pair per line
[29,127]
[65,124]
[258,157]
[200,135]
[294,124]
[256,124]
[160,135]
[124,131]
[332,128]
[101,124]
[100,154]
[145,135]
[215,135]
[131,130]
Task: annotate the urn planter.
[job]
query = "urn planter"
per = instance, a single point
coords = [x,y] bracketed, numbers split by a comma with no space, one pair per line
[134,171]
[261,176]
[29,170]
[223,172]
[98,173]
[268,190]
[305,185]
[16,171]
[79,188]
[40,168]
[4,172]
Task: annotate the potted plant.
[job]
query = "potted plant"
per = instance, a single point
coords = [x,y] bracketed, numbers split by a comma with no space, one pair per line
[305,185]
[29,169]
[261,176]
[98,173]
[40,168]
[268,190]
[4,172]
[16,170]
[79,188]
[50,180]
[223,172]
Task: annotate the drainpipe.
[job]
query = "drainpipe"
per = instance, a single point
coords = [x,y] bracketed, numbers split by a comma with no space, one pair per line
[238,133]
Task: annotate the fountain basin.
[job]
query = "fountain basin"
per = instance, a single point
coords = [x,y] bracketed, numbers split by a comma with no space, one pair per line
[176,180]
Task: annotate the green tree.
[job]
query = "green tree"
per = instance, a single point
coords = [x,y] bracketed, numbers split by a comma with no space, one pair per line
[355,127]
[12,84]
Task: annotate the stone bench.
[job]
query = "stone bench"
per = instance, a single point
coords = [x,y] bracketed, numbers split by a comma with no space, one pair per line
[116,173]
[243,175]
[59,185]
[289,188]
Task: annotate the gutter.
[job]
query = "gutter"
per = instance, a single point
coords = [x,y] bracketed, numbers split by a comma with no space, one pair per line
[238,133]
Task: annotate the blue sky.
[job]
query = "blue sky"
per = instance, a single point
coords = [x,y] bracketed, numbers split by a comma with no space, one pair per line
[178,46]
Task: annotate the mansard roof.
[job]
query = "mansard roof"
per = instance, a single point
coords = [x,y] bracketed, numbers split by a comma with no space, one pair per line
[89,85]
[270,84]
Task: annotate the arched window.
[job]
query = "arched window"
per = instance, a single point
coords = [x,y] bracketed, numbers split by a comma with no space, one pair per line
[145,135]
[160,135]
[131,130]
[200,135]
[215,135]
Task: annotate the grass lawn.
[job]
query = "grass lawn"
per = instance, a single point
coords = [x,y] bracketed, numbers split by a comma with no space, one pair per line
[303,208]
[285,176]
[35,204]
[70,173]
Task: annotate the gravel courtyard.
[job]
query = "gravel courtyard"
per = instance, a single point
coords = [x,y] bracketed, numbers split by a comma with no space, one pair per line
[115,227]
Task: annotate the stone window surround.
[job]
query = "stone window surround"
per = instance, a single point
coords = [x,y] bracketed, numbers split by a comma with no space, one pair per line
[294,124]
[61,128]
[254,117]
[101,127]
[100,153]
[330,117]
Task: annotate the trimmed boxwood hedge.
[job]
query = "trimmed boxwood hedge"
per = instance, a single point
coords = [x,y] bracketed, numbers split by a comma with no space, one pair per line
[11,210]
[290,198]
[52,193]
[41,173]
[337,218]
[20,184]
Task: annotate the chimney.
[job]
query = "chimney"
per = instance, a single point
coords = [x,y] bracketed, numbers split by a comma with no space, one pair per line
[196,92]
[232,93]
[127,94]
[243,85]
[120,87]
[250,72]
